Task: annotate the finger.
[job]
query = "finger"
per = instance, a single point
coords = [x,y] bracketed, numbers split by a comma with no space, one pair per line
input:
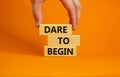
[78,8]
[68,4]
[37,11]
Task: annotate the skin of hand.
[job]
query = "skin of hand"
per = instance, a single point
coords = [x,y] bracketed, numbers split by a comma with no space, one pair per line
[73,7]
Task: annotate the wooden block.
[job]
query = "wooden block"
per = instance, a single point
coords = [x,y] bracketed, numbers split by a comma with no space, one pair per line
[59,51]
[64,40]
[55,29]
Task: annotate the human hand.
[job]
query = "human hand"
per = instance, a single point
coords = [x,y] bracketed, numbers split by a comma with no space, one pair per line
[73,7]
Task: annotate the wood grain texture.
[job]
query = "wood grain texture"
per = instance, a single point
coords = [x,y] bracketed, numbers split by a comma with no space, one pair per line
[59,50]
[62,40]
[59,28]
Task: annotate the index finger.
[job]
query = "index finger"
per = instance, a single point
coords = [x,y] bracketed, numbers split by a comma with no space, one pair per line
[68,4]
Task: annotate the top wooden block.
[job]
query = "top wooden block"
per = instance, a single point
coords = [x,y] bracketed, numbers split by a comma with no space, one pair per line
[55,29]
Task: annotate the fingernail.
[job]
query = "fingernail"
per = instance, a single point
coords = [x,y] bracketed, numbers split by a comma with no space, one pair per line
[37,25]
[74,28]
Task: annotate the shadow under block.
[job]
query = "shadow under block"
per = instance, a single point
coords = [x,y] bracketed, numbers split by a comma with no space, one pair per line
[60,50]
[55,29]
[64,40]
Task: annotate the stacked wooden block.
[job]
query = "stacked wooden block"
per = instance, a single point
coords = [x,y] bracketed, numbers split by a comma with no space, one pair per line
[61,42]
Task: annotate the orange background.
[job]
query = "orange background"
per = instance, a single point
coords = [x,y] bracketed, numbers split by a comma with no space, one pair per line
[21,46]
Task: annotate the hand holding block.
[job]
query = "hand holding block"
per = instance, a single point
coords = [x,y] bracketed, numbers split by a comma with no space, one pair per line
[64,40]
[59,51]
[55,29]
